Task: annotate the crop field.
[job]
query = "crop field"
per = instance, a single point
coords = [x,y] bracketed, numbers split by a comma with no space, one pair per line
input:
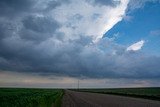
[148,93]
[18,97]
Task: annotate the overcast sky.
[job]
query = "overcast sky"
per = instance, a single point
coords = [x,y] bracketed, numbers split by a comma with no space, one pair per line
[102,43]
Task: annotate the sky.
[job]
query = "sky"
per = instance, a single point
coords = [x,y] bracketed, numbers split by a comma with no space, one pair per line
[100,43]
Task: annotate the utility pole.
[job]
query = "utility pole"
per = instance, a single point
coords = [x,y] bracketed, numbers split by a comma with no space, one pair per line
[78,84]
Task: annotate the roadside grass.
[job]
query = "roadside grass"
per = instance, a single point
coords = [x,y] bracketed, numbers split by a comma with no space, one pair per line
[58,100]
[147,93]
[23,97]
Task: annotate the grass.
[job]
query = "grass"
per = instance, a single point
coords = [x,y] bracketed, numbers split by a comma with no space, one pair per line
[147,93]
[59,100]
[20,97]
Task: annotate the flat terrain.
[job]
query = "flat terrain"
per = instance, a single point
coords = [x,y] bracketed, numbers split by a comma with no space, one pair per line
[85,99]
[152,93]
[21,97]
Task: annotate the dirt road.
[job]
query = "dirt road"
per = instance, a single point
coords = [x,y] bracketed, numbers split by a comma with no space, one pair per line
[84,99]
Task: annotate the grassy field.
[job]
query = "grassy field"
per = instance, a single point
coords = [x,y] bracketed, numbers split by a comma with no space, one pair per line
[18,97]
[148,93]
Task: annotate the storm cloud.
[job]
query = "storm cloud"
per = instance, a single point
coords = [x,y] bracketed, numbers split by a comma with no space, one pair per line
[65,38]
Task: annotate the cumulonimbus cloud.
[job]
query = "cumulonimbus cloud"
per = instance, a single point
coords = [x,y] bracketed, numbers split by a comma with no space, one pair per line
[51,37]
[88,19]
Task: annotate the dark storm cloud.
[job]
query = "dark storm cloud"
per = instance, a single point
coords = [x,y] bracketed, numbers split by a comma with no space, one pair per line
[5,29]
[32,42]
[40,24]
[38,28]
[73,60]
[16,8]
[10,8]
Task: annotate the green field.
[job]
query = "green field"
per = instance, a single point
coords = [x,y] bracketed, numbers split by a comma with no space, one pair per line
[148,93]
[20,97]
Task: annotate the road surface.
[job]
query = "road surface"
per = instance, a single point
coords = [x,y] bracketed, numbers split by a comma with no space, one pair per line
[85,99]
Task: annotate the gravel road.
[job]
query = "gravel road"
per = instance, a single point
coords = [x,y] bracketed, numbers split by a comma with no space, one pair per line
[84,99]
